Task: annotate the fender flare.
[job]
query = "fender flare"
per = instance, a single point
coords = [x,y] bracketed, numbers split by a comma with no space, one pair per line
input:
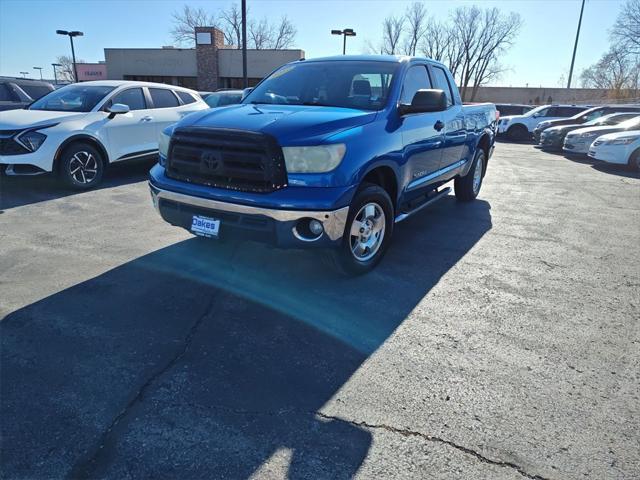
[80,137]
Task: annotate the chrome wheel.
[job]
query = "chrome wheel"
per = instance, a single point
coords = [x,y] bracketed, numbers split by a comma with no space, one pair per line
[367,231]
[83,167]
[477,175]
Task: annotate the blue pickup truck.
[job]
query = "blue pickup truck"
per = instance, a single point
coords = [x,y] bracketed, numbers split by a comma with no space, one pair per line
[329,152]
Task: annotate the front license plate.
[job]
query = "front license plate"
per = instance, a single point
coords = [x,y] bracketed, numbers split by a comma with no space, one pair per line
[205,226]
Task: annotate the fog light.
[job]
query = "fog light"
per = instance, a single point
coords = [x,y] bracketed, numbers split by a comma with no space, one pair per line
[316,227]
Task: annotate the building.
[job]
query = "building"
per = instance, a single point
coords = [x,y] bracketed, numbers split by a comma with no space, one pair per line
[207,67]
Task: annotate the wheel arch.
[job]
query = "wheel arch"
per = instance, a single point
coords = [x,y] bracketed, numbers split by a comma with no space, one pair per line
[384,176]
[80,138]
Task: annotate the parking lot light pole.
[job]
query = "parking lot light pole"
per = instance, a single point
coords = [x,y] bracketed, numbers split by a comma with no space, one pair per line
[72,34]
[40,69]
[347,32]
[245,80]
[24,74]
[575,46]
[55,73]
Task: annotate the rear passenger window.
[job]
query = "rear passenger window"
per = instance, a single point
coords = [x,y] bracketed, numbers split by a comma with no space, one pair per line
[185,97]
[416,79]
[133,98]
[163,98]
[442,83]
[5,93]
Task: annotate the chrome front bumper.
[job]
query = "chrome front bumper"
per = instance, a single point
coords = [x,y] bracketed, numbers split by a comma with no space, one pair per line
[334,221]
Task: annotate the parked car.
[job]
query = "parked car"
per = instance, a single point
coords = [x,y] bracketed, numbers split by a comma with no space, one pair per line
[78,130]
[584,117]
[553,138]
[16,93]
[578,141]
[330,152]
[622,148]
[520,127]
[508,109]
[224,97]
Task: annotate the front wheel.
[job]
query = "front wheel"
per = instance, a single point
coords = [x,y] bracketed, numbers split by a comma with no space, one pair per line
[81,166]
[518,133]
[467,188]
[634,161]
[367,232]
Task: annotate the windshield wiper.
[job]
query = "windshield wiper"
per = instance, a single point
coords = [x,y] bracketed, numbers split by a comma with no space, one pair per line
[315,104]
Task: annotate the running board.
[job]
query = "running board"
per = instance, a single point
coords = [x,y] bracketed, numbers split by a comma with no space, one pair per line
[441,194]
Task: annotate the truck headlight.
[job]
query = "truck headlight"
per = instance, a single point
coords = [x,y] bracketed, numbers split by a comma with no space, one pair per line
[623,140]
[163,148]
[31,140]
[316,159]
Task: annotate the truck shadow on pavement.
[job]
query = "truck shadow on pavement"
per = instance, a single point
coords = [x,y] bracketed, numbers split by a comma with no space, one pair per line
[205,360]
[19,191]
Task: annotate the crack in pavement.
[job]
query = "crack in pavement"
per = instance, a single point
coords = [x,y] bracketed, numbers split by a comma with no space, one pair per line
[431,438]
[84,466]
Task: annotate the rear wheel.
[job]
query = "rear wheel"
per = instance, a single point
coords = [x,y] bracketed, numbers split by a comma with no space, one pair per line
[518,133]
[467,188]
[634,161]
[81,166]
[367,232]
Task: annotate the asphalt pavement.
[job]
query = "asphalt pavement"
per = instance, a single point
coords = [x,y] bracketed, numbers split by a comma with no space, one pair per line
[498,339]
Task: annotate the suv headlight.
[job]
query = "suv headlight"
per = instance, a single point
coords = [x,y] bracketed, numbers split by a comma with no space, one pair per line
[316,159]
[33,139]
[623,140]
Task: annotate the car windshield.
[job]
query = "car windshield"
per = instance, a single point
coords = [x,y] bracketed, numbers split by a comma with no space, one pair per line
[220,99]
[74,98]
[349,84]
[533,111]
[632,124]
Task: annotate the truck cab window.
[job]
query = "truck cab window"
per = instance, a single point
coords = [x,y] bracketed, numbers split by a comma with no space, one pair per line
[415,79]
[442,82]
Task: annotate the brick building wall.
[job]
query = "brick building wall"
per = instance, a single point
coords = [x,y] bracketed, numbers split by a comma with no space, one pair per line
[208,41]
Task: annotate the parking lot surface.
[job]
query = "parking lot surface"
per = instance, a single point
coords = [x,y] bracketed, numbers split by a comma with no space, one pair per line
[498,339]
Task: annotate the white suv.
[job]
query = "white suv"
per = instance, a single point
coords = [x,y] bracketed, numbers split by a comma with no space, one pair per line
[520,127]
[79,129]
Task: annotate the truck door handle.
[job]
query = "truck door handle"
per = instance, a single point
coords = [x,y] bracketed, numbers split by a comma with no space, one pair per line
[439,125]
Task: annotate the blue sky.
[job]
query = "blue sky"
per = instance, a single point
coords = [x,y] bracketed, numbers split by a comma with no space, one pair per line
[541,55]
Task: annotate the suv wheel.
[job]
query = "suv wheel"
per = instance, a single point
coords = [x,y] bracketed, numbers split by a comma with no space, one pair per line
[81,166]
[634,161]
[518,133]
[367,232]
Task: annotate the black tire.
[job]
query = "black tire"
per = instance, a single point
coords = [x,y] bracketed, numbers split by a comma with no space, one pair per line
[465,187]
[344,257]
[81,160]
[634,161]
[518,133]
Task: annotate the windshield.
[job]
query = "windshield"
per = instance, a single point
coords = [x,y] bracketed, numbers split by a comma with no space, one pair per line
[220,99]
[533,111]
[353,84]
[74,98]
[632,124]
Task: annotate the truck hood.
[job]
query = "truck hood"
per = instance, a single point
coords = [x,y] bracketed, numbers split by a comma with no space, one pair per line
[20,119]
[289,124]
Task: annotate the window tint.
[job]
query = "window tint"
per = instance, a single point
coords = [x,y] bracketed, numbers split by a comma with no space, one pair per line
[5,93]
[133,98]
[229,99]
[442,83]
[185,97]
[163,98]
[35,91]
[416,79]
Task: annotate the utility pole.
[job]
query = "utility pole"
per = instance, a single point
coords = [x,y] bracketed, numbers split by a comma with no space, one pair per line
[245,80]
[575,46]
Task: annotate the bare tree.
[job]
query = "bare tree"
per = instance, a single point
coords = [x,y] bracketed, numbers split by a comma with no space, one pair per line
[260,34]
[232,25]
[391,33]
[616,71]
[65,71]
[416,18]
[186,20]
[626,30]
[284,34]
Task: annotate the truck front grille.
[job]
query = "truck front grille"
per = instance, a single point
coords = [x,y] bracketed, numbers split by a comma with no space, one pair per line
[226,158]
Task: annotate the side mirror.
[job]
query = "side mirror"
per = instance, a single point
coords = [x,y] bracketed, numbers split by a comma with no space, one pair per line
[424,101]
[246,92]
[117,109]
